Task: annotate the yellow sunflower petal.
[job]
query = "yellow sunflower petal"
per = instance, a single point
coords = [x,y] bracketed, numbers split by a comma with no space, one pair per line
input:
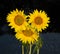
[39,20]
[17,20]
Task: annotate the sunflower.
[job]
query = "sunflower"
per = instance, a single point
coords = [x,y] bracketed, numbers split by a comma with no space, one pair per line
[27,36]
[17,19]
[39,20]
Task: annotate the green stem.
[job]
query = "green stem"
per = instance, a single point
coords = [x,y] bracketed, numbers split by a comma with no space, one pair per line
[22,49]
[30,48]
[34,50]
[37,50]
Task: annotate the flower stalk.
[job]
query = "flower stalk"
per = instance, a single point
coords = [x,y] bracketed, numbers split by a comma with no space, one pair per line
[30,48]
[22,49]
[37,50]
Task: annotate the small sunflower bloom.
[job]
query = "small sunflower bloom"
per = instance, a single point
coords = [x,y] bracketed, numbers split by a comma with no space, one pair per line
[17,19]
[39,20]
[27,36]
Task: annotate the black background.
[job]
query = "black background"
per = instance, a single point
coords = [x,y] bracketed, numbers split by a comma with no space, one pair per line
[51,7]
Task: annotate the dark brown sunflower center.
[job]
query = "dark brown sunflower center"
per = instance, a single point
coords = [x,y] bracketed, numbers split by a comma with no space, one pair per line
[38,20]
[19,20]
[27,32]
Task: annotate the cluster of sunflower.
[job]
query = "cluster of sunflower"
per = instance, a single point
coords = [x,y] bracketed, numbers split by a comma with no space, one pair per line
[27,30]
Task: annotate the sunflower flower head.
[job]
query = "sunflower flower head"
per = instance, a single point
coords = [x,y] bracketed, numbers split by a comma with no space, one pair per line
[39,20]
[17,19]
[27,36]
